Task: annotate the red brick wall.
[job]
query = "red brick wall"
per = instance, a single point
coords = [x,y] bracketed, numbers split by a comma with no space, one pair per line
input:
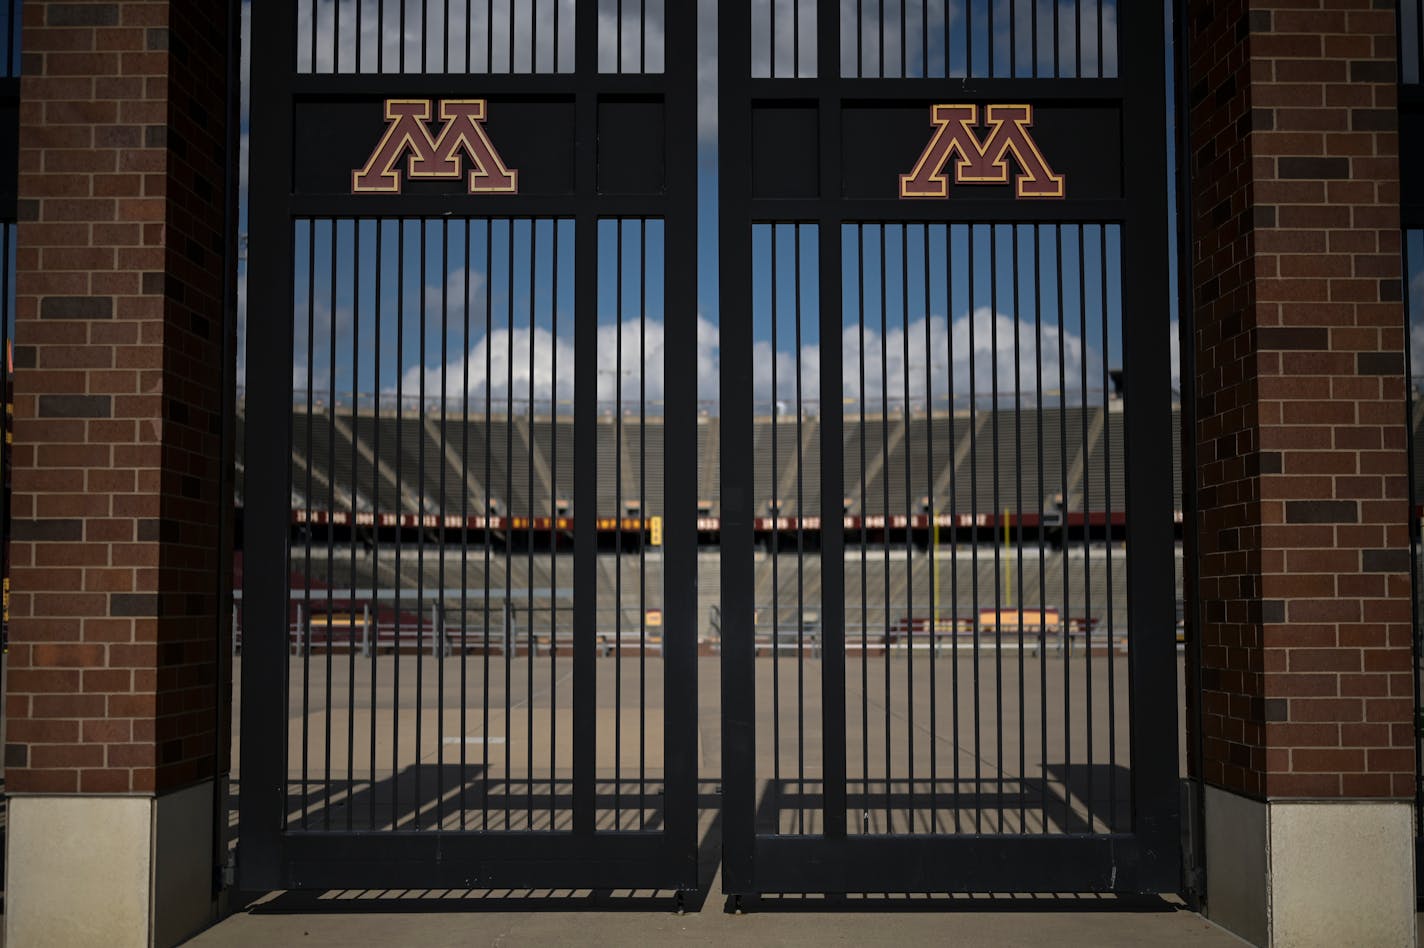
[116,605]
[1304,565]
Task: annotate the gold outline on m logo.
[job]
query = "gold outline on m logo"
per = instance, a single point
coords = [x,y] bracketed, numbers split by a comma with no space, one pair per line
[983,161]
[435,157]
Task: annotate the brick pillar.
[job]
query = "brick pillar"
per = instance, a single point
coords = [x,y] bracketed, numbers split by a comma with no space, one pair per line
[1307,692]
[117,704]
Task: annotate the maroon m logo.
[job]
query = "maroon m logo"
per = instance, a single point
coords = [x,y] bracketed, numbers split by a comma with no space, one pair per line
[435,156]
[983,161]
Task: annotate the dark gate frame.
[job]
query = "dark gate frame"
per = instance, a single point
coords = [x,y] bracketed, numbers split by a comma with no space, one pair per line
[272,857]
[1411,218]
[1145,860]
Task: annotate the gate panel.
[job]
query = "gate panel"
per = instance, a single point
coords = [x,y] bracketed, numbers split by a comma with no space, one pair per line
[993,706]
[469,641]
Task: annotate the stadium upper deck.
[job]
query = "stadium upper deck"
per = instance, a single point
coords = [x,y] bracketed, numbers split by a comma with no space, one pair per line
[387,462]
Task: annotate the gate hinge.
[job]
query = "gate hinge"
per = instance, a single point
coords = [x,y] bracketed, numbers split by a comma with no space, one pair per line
[225,876]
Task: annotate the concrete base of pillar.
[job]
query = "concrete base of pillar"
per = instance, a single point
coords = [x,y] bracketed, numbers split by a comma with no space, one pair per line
[1296,874]
[109,871]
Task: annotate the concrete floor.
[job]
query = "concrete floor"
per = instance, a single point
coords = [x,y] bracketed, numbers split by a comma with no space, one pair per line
[622,918]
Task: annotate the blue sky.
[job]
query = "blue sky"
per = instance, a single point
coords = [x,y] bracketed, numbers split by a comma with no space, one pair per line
[521,327]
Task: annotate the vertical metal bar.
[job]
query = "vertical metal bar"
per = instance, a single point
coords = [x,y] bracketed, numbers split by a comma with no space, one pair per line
[510,645]
[1013,41]
[267,494]
[489,520]
[402,69]
[800,549]
[1145,355]
[904,37]
[778,796]
[974,530]
[1019,513]
[771,38]
[618,504]
[1087,515]
[304,628]
[884,264]
[330,509]
[829,237]
[925,51]
[992,41]
[909,520]
[860,39]
[864,548]
[944,15]
[420,521]
[1057,64]
[400,492]
[933,527]
[465,517]
[1065,627]
[796,47]
[1078,40]
[680,261]
[738,577]
[880,38]
[1108,519]
[619,36]
[529,579]
[642,513]
[1101,53]
[335,68]
[998,564]
[953,507]
[443,630]
[379,305]
[489,36]
[554,507]
[1042,553]
[1033,30]
[355,486]
[969,56]
[586,266]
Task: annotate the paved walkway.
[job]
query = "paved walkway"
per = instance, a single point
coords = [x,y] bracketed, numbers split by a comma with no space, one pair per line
[288,921]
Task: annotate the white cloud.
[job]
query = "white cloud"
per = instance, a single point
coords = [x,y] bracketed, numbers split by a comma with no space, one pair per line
[938,375]
[508,355]
[504,359]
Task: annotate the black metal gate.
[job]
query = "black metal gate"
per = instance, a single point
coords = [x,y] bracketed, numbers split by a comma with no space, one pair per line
[467,642]
[946,410]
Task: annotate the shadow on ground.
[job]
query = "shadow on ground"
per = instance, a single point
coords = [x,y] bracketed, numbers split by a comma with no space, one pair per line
[419,901]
